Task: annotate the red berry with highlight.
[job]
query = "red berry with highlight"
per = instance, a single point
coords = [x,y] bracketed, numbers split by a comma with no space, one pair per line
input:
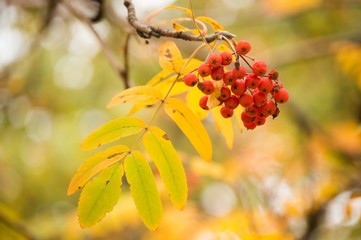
[260,120]
[225,93]
[250,126]
[217,73]
[238,87]
[203,102]
[207,87]
[214,60]
[228,78]
[252,81]
[246,100]
[240,72]
[259,98]
[226,58]
[232,102]
[281,96]
[251,111]
[265,85]
[243,47]
[190,79]
[247,119]
[259,68]
[226,112]
[204,70]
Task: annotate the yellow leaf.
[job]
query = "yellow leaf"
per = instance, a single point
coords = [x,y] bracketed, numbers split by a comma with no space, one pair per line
[170,167]
[113,130]
[94,165]
[100,195]
[224,126]
[190,65]
[161,76]
[238,112]
[170,58]
[190,125]
[186,10]
[182,28]
[192,99]
[215,25]
[143,189]
[146,95]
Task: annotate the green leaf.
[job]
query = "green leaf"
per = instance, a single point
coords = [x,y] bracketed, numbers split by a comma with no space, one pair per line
[100,195]
[113,130]
[143,189]
[170,167]
[190,125]
[94,165]
[146,95]
[170,58]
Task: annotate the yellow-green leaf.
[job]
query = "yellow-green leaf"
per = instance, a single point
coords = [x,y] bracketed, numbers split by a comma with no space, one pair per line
[215,25]
[94,165]
[143,189]
[100,195]
[146,95]
[170,167]
[190,125]
[170,58]
[224,126]
[113,130]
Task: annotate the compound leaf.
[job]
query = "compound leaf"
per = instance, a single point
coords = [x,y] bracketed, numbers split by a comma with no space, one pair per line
[143,189]
[94,165]
[100,195]
[146,95]
[113,130]
[190,125]
[170,58]
[170,167]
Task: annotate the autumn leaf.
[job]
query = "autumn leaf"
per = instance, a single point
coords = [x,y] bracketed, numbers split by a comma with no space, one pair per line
[170,58]
[170,167]
[146,95]
[190,125]
[224,126]
[100,195]
[94,164]
[143,189]
[113,130]
[215,25]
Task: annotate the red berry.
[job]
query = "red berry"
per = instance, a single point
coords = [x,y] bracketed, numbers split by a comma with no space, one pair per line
[250,126]
[204,70]
[238,87]
[260,120]
[265,85]
[251,111]
[203,102]
[276,86]
[240,72]
[232,102]
[206,87]
[246,100]
[214,60]
[226,58]
[268,109]
[281,96]
[252,81]
[226,112]
[259,68]
[228,78]
[259,98]
[243,47]
[273,74]
[190,79]
[225,93]
[217,73]
[246,119]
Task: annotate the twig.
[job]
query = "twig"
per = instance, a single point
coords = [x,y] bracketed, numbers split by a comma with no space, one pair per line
[105,48]
[148,31]
[125,73]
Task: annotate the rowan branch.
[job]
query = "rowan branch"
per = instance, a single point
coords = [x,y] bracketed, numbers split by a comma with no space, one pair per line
[148,31]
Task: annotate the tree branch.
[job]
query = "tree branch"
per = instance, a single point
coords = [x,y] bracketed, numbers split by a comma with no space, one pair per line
[148,31]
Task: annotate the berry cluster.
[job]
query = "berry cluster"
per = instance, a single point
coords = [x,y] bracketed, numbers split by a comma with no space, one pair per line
[257,92]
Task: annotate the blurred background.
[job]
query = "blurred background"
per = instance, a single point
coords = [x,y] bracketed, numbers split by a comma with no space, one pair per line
[297,177]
